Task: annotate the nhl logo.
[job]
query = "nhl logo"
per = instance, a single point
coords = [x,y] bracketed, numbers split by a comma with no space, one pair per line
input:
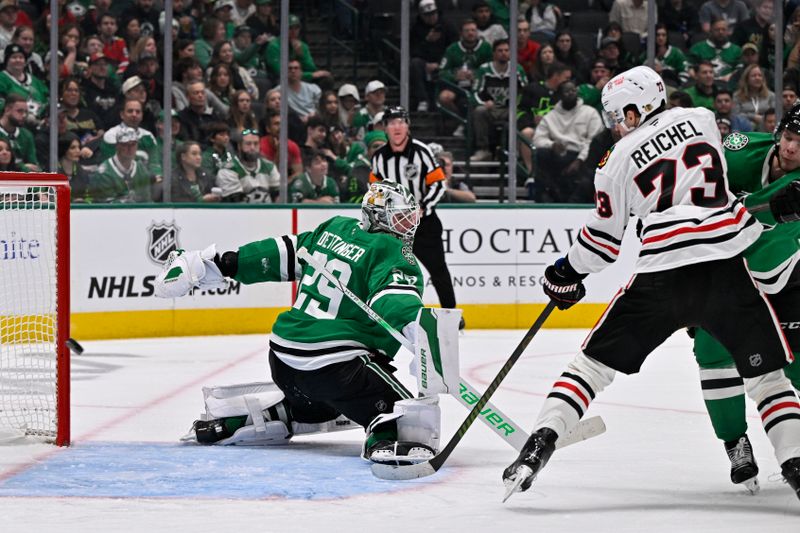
[162,239]
[755,359]
[411,172]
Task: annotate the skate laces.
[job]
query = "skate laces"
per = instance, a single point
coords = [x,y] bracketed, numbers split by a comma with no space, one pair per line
[741,454]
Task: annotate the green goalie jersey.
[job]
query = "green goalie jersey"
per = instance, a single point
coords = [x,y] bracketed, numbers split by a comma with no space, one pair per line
[324,326]
[774,255]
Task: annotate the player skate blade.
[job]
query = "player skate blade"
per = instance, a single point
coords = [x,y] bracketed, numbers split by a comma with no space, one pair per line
[752,485]
[404,472]
[523,473]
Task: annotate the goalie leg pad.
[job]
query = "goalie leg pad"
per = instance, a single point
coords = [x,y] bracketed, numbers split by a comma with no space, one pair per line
[243,399]
[435,362]
[421,421]
[266,417]
[418,423]
[268,420]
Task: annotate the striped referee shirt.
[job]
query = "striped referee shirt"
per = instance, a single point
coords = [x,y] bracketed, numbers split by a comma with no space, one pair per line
[415,167]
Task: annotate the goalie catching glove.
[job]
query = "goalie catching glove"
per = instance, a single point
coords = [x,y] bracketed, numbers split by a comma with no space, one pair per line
[563,284]
[185,271]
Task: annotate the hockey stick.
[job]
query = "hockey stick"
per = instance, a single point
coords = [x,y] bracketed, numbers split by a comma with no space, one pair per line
[758,208]
[499,423]
[427,468]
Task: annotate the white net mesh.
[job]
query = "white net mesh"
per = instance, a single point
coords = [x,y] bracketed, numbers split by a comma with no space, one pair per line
[28,310]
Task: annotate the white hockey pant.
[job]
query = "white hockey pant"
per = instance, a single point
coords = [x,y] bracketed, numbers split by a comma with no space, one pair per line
[779,410]
[572,393]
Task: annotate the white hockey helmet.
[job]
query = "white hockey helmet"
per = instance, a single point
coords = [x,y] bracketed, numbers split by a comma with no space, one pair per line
[391,208]
[640,87]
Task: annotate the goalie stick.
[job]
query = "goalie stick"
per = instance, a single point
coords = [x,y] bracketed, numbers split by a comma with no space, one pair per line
[510,432]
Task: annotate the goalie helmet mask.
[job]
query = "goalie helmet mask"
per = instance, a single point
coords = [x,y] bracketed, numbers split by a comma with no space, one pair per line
[390,207]
[639,87]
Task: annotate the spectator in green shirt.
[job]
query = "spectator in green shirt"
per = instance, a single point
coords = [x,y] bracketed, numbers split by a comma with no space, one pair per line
[223,10]
[458,66]
[299,51]
[670,63]
[212,33]
[121,178]
[314,186]
[723,54]
[14,78]
[12,127]
[703,91]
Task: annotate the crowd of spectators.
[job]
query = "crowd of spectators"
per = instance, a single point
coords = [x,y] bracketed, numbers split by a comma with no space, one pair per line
[226,100]
[719,54]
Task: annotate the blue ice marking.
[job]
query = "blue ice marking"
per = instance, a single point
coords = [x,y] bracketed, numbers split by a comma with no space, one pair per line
[146,470]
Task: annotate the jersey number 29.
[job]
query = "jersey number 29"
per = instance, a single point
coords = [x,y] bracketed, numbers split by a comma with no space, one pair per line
[320,286]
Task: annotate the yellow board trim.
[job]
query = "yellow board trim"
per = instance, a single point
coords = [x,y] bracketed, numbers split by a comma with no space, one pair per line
[172,323]
[191,322]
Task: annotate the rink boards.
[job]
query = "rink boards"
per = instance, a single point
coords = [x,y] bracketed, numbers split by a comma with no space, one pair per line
[496,255]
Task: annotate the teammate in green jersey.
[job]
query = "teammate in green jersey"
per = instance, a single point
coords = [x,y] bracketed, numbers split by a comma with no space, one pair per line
[759,164]
[330,363]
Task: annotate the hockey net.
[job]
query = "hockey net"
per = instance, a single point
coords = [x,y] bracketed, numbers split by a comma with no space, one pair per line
[34,307]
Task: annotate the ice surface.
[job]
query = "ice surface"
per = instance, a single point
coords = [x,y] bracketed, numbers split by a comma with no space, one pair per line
[658,468]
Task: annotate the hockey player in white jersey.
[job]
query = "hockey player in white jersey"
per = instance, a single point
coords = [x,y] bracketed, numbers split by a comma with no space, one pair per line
[669,172]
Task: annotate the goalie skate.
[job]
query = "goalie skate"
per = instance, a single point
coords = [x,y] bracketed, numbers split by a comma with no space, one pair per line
[744,469]
[399,452]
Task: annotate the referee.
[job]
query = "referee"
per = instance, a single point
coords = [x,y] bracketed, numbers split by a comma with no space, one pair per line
[410,162]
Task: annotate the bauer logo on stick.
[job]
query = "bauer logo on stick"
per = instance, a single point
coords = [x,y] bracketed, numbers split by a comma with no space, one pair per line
[161,240]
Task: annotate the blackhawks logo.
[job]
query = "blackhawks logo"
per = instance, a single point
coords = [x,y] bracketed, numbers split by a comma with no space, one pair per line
[735,141]
[604,160]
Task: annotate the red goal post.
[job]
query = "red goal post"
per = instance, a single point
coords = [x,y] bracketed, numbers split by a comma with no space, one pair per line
[34,306]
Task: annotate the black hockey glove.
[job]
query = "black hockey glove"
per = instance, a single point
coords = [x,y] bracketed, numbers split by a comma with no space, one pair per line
[563,284]
[785,204]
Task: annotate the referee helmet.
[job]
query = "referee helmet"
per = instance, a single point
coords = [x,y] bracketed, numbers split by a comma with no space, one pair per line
[395,111]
